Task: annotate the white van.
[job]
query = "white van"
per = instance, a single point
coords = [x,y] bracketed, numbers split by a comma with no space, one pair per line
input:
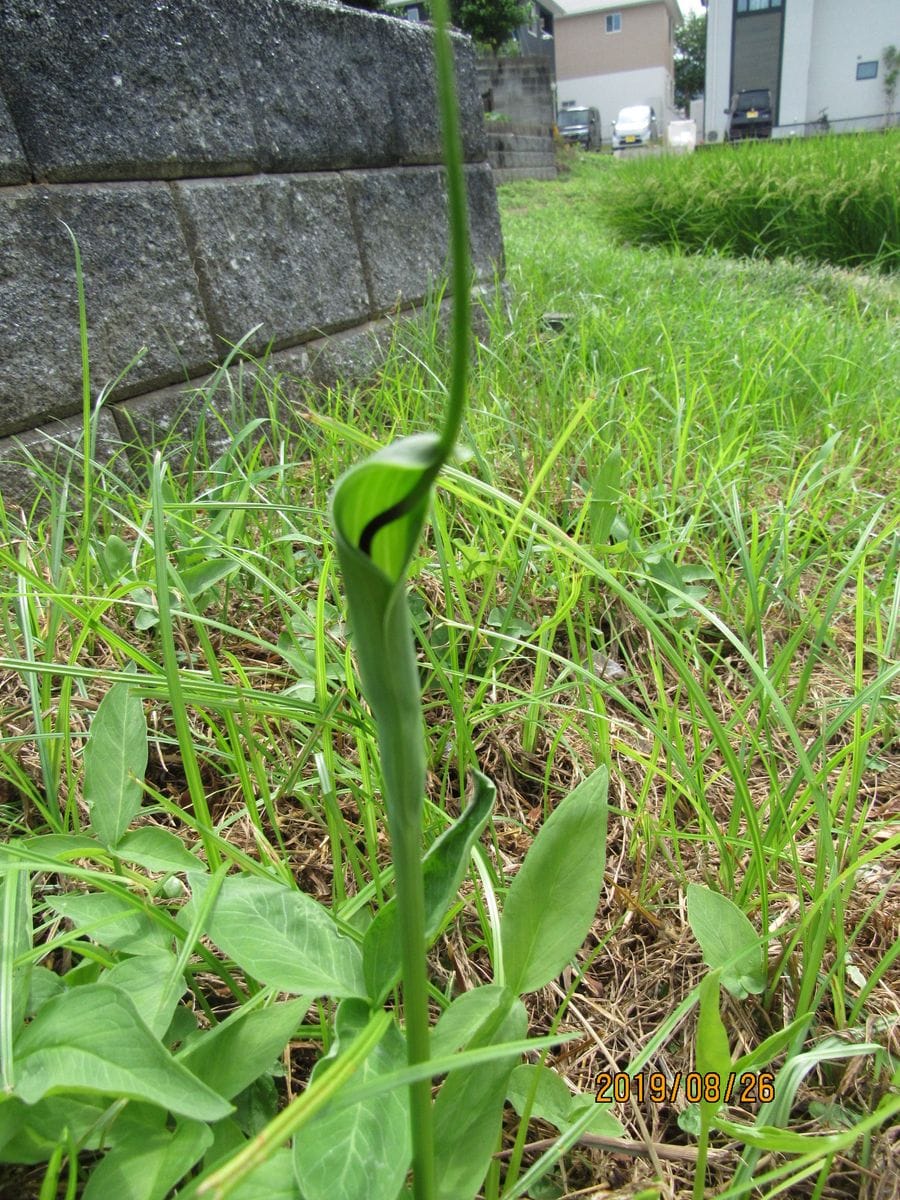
[635,126]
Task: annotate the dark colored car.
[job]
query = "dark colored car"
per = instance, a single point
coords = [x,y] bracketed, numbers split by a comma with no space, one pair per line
[750,115]
[580,125]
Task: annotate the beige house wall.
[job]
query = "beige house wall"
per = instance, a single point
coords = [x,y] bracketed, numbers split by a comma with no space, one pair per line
[583,47]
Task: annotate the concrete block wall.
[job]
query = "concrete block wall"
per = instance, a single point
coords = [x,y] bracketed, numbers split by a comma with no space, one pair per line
[517,94]
[517,151]
[268,165]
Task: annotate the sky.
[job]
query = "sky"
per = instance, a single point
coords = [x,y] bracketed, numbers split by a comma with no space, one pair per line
[690,6]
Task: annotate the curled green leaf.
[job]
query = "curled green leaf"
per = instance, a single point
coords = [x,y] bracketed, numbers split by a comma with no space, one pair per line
[380,505]
[378,509]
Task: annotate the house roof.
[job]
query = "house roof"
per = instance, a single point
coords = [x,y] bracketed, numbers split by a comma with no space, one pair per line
[579,8]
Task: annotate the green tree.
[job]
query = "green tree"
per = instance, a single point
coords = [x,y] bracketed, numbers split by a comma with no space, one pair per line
[690,59]
[491,22]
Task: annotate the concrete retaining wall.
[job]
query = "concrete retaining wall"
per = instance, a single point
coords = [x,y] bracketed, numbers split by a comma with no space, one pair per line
[520,151]
[517,94]
[270,163]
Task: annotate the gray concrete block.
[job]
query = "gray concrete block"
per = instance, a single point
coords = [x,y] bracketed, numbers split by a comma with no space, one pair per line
[514,174]
[13,167]
[471,109]
[349,357]
[171,418]
[275,251]
[484,222]
[140,290]
[26,461]
[318,84]
[125,91]
[401,217]
[410,65]
[517,141]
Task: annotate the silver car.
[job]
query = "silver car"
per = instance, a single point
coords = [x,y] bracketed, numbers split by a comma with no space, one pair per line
[635,125]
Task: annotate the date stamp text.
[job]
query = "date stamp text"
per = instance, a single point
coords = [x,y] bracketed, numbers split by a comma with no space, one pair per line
[695,1087]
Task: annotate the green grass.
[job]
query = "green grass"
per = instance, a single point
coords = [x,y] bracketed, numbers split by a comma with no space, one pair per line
[672,550]
[829,200]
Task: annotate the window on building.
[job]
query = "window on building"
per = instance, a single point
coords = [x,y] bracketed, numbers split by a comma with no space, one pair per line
[867,70]
[751,6]
[613,22]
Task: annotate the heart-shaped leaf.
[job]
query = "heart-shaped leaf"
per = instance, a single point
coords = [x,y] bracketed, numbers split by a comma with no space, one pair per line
[729,942]
[91,1040]
[282,937]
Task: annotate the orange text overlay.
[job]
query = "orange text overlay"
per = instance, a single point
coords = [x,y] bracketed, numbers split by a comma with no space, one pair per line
[693,1086]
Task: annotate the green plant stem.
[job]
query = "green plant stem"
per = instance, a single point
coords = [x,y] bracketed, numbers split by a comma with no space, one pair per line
[700,1169]
[401,744]
[460,279]
[460,270]
[410,892]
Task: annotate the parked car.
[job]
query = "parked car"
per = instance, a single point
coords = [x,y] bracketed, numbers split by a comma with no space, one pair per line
[635,125]
[750,115]
[580,125]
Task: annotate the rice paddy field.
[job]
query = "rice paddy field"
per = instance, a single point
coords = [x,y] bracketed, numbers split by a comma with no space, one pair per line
[659,578]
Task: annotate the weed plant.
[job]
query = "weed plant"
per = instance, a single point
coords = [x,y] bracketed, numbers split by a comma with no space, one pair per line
[670,555]
[832,199]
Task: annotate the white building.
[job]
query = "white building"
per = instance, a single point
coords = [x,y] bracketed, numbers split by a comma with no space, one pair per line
[814,56]
[610,55]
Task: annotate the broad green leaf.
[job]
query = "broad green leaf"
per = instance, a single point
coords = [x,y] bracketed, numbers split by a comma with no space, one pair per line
[115,558]
[256,1105]
[551,1100]
[147,614]
[729,942]
[274,1180]
[147,1164]
[606,494]
[602,1120]
[115,761]
[146,982]
[443,868]
[712,1055]
[45,984]
[30,1133]
[91,1040]
[459,1023]
[552,900]
[229,1057]
[362,1149]
[781,1141]
[282,937]
[469,1108]
[157,849]
[542,1092]
[200,578]
[12,1116]
[112,921]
